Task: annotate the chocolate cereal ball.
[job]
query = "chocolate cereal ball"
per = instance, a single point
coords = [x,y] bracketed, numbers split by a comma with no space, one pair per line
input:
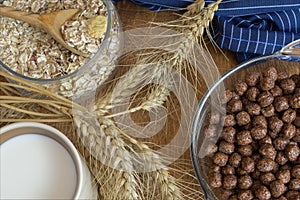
[214,168]
[281,104]
[280,143]
[286,166]
[296,79]
[260,121]
[214,118]
[229,182]
[258,132]
[211,150]
[268,151]
[226,147]
[227,96]
[248,164]
[268,111]
[266,84]
[244,137]
[263,193]
[234,106]
[292,195]
[271,73]
[215,180]
[228,134]
[240,87]
[228,170]
[287,85]
[220,159]
[252,93]
[245,182]
[229,120]
[275,124]
[267,178]
[277,188]
[294,184]
[281,159]
[235,160]
[296,171]
[252,78]
[265,99]
[245,150]
[265,165]
[245,195]
[282,75]
[289,131]
[253,109]
[276,91]
[243,118]
[295,101]
[284,175]
[210,131]
[292,152]
[289,116]
[235,96]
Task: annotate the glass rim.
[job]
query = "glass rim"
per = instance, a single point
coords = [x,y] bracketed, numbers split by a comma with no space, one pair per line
[110,8]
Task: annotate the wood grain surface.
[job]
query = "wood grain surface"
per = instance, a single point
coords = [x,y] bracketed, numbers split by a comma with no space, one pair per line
[133,16]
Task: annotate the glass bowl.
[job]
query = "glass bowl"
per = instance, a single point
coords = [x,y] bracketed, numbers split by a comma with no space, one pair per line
[212,101]
[94,72]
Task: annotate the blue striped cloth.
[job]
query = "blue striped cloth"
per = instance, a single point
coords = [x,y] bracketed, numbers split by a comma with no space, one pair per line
[247,27]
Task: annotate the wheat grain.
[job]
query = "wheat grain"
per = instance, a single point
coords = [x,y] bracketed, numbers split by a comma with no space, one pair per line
[106,146]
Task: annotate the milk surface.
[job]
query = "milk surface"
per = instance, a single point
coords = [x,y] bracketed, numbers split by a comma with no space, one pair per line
[33,166]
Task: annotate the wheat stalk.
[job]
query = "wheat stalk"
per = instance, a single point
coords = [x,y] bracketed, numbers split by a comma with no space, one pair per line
[130,185]
[146,161]
[107,144]
[192,25]
[157,95]
[117,178]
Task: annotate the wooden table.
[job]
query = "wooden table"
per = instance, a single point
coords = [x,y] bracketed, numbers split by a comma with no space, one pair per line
[133,16]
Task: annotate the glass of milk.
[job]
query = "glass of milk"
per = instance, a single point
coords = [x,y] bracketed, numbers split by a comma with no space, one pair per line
[39,162]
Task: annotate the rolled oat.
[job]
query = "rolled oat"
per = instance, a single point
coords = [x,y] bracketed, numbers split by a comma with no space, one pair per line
[33,53]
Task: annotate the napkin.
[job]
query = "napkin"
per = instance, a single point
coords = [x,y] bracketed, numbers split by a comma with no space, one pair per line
[248,27]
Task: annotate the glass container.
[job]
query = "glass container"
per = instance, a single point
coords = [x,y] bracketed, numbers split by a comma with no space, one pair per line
[94,72]
[286,60]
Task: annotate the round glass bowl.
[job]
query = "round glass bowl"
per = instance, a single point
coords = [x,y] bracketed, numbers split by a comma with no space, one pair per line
[94,72]
[212,101]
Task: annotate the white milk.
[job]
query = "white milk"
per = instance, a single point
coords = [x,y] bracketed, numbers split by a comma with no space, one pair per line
[34,166]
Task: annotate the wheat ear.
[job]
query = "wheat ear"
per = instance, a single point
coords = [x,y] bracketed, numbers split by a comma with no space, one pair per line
[115,171]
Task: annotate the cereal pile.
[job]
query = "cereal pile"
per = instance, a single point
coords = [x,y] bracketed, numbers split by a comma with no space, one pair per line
[257,154]
[33,53]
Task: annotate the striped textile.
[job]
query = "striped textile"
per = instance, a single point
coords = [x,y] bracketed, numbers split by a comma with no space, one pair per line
[247,27]
[256,27]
